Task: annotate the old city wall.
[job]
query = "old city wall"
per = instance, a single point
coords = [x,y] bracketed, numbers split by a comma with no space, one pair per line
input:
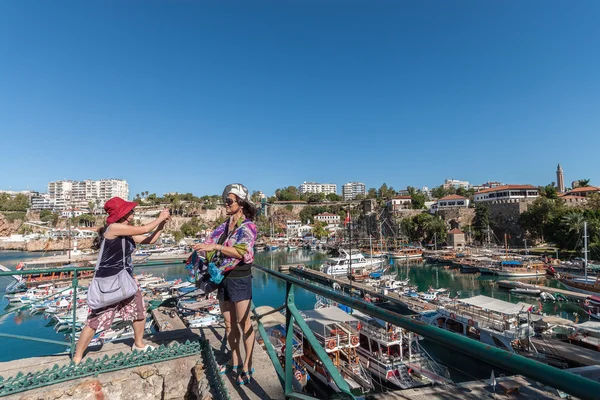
[504,217]
[462,216]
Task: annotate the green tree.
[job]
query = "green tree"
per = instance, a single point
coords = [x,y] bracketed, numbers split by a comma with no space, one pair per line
[549,191]
[333,197]
[372,193]
[584,182]
[481,221]
[315,197]
[319,230]
[289,193]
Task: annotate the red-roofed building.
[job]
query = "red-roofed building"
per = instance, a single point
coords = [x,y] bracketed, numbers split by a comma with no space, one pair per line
[456,238]
[583,191]
[328,218]
[507,193]
[452,201]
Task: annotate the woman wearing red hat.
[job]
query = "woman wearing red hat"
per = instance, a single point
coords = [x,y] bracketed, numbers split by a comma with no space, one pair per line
[117,239]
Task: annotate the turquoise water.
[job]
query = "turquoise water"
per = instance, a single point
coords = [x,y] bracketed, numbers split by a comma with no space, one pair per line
[270,291]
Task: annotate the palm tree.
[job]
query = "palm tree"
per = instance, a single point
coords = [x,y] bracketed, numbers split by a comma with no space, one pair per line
[573,222]
[584,182]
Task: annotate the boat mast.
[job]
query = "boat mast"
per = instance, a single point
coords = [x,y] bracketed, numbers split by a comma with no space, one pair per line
[435,241]
[585,249]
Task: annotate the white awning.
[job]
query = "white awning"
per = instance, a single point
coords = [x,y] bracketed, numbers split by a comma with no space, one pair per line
[591,326]
[496,305]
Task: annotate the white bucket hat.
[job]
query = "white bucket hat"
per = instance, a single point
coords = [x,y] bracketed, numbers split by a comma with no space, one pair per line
[239,190]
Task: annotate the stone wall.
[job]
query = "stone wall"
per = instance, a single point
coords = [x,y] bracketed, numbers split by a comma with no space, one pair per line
[504,218]
[458,217]
[182,378]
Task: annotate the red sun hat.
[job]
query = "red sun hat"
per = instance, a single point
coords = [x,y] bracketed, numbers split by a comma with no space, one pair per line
[117,208]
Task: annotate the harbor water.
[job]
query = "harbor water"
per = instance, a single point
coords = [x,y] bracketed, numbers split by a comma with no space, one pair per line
[270,291]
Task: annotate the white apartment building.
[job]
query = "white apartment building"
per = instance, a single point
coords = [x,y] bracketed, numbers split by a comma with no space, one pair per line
[66,194]
[291,227]
[328,218]
[507,193]
[456,184]
[41,202]
[314,187]
[450,202]
[352,189]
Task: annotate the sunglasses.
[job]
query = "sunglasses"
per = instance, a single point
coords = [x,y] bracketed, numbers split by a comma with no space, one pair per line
[229,201]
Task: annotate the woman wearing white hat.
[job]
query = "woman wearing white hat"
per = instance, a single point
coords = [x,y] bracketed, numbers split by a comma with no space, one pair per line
[231,247]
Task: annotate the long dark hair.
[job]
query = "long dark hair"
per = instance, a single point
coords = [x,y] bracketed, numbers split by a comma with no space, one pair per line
[249,208]
[98,239]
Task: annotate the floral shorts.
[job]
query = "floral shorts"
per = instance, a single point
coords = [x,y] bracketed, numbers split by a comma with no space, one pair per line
[131,309]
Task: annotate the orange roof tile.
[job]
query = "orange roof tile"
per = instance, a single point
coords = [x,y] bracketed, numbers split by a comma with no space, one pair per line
[453,197]
[585,189]
[507,187]
[402,198]
[456,231]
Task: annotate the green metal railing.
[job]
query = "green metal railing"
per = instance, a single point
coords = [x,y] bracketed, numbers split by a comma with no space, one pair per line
[570,383]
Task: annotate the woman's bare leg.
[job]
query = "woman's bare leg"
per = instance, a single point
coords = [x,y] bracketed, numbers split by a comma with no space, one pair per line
[84,340]
[138,333]
[242,309]
[231,330]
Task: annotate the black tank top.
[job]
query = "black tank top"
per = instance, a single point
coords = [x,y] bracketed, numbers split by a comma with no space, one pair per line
[111,261]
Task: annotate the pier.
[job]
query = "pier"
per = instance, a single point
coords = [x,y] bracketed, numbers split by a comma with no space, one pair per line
[567,293]
[563,351]
[413,305]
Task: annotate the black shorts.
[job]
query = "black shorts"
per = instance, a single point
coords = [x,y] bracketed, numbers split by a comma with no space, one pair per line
[235,289]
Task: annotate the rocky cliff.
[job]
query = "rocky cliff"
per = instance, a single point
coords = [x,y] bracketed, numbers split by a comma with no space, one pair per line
[7,227]
[45,245]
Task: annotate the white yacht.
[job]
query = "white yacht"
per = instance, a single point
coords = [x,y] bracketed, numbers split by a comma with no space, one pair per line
[340,265]
[491,321]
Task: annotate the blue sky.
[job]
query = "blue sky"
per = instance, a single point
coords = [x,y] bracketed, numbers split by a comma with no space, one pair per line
[189,96]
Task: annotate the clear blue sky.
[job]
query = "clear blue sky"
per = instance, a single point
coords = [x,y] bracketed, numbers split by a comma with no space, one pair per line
[188,96]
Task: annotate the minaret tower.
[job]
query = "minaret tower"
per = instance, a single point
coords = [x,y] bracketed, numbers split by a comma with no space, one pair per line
[560,180]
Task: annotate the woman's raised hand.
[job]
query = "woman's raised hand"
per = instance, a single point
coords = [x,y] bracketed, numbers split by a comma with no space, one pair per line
[165,215]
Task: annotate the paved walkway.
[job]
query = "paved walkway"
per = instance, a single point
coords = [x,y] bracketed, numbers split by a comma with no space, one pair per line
[266,385]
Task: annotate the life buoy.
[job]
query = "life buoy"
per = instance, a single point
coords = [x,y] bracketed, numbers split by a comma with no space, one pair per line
[331,344]
[359,327]
[298,376]
[354,341]
[471,322]
[394,336]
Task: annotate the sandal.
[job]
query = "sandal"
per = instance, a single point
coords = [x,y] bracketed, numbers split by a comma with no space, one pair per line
[245,376]
[227,368]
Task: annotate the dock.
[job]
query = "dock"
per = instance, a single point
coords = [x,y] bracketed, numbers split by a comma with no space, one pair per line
[413,305]
[563,351]
[506,387]
[165,321]
[567,293]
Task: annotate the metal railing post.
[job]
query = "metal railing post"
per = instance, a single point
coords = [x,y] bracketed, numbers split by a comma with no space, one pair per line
[289,340]
[74,302]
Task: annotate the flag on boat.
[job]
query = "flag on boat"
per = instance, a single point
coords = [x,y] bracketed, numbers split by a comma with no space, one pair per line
[347,220]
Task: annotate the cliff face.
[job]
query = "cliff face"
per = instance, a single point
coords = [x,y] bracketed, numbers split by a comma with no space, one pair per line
[46,245]
[8,228]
